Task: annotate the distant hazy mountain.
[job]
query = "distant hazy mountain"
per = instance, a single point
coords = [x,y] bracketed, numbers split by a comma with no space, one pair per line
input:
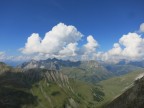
[121,69]
[89,71]
[47,64]
[133,63]
[137,63]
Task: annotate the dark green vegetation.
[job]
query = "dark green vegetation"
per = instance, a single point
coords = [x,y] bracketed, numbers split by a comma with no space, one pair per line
[15,88]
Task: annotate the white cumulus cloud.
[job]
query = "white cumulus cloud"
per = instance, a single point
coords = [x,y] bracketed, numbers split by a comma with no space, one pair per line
[63,42]
[60,42]
[116,50]
[69,50]
[133,45]
[130,47]
[89,49]
[61,37]
[91,45]
[33,44]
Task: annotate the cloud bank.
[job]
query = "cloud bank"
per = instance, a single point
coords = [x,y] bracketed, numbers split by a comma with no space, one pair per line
[63,42]
[129,47]
[4,57]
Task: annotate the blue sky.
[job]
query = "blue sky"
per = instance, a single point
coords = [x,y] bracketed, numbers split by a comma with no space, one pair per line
[105,20]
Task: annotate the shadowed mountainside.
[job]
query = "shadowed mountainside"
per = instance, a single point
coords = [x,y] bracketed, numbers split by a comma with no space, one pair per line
[15,90]
[131,98]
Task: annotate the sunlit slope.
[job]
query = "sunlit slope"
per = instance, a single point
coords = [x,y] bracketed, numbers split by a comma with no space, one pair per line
[88,71]
[53,96]
[115,86]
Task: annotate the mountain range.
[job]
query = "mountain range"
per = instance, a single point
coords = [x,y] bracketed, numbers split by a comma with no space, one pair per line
[89,71]
[43,88]
[55,83]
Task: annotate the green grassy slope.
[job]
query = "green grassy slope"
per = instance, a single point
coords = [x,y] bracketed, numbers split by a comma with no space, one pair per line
[87,74]
[113,87]
[38,88]
[53,96]
[131,98]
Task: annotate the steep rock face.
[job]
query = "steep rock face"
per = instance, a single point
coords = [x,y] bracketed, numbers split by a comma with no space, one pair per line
[55,76]
[132,98]
[50,73]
